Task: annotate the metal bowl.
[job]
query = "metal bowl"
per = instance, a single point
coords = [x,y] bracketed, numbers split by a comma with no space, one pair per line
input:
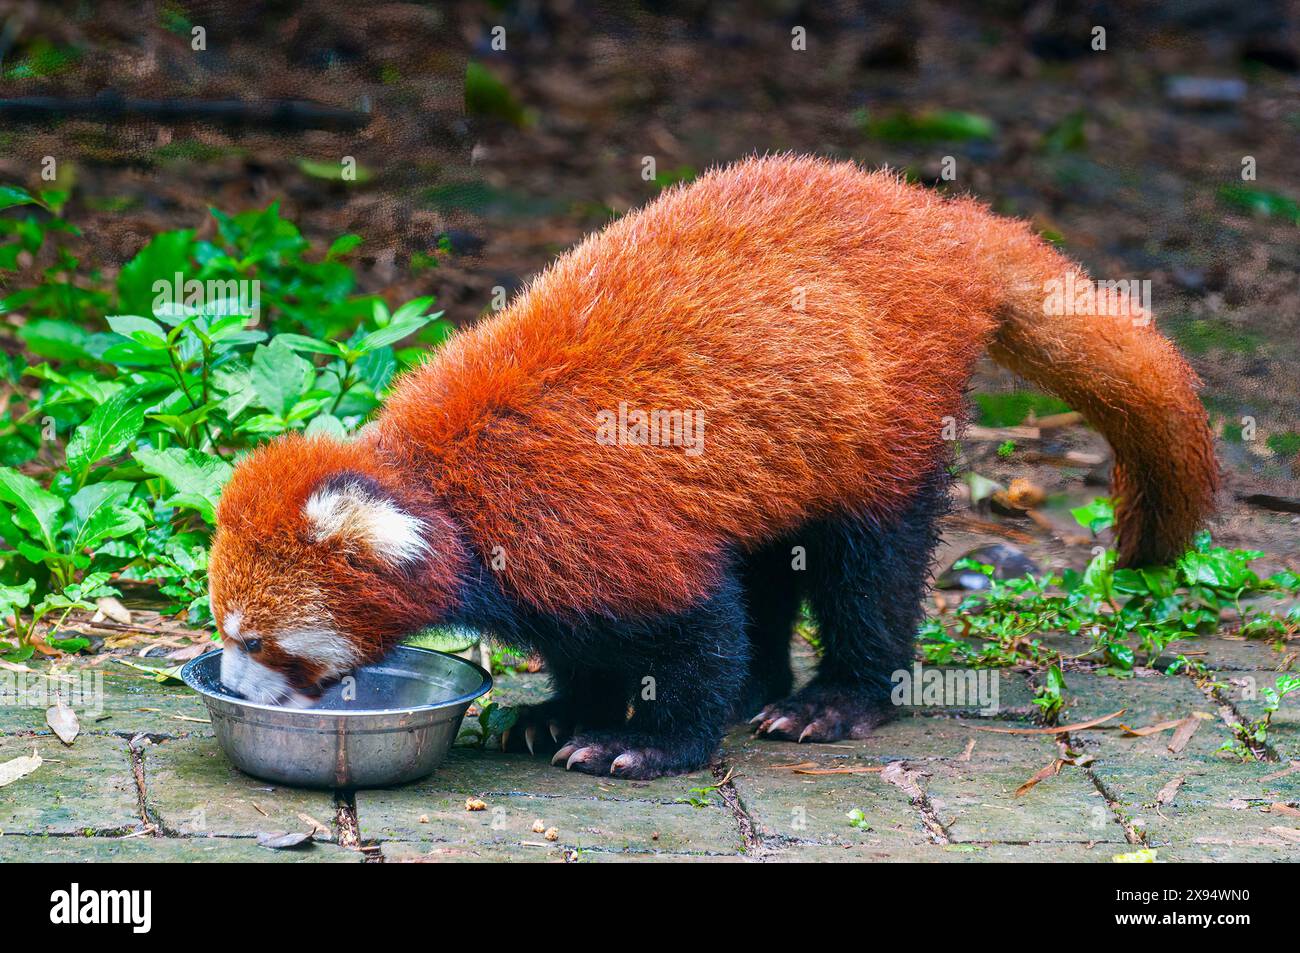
[391,725]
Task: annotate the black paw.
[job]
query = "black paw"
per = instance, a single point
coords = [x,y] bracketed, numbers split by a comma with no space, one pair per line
[539,729]
[632,755]
[821,713]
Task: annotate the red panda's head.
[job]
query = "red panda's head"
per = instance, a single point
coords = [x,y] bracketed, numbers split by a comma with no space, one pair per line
[323,559]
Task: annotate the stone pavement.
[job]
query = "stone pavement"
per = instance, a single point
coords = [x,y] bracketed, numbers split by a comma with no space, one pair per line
[145,781]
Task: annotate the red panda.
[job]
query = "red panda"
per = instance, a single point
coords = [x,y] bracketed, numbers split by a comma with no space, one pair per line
[732,400]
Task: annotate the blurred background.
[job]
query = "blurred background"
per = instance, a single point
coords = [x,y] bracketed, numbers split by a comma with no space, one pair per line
[450,151]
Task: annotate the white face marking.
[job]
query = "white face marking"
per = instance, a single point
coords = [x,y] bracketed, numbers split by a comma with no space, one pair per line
[321,646]
[350,513]
[232,623]
[254,681]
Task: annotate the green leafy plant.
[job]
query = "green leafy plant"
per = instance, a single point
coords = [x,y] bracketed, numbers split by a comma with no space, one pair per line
[129,403]
[1123,613]
[1249,737]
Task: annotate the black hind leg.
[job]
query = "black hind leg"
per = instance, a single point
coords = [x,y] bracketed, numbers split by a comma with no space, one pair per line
[866,579]
[686,672]
[773,587]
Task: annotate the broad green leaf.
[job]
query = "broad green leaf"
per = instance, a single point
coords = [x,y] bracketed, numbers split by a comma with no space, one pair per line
[393,333]
[98,514]
[143,331]
[12,195]
[160,260]
[13,598]
[280,377]
[1096,515]
[57,340]
[264,423]
[235,382]
[133,354]
[342,245]
[413,310]
[326,425]
[109,428]
[36,510]
[197,477]
[300,342]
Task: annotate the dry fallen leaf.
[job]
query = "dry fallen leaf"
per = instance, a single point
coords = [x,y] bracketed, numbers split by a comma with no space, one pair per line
[1167,793]
[110,608]
[552,833]
[11,771]
[283,841]
[63,720]
[539,826]
[1050,770]
[1077,726]
[1280,808]
[187,652]
[316,826]
[1150,729]
[1183,734]
[474,804]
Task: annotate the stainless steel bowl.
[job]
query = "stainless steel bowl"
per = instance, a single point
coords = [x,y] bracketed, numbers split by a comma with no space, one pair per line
[394,724]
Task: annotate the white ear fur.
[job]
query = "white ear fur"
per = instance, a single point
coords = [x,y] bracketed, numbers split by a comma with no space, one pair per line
[352,514]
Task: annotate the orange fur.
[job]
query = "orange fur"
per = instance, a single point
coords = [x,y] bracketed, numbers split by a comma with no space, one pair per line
[830,399]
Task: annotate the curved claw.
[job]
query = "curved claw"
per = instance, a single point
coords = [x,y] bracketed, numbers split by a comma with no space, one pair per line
[808,730]
[505,738]
[579,756]
[758,719]
[781,724]
[562,756]
[625,762]
[555,730]
[530,735]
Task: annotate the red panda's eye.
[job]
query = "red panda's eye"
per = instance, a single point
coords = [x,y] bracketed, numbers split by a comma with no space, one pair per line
[252,645]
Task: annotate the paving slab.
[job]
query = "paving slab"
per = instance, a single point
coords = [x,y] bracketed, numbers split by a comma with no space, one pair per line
[403,852]
[87,787]
[423,814]
[192,789]
[1217,804]
[106,701]
[813,808]
[951,854]
[1147,701]
[978,803]
[17,848]
[916,738]
[1245,690]
[670,815]
[1226,653]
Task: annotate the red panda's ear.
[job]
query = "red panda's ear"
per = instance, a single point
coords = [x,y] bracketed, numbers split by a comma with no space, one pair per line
[354,511]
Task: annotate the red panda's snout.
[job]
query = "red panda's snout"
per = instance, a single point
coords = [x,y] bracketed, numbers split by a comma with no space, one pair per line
[321,563]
